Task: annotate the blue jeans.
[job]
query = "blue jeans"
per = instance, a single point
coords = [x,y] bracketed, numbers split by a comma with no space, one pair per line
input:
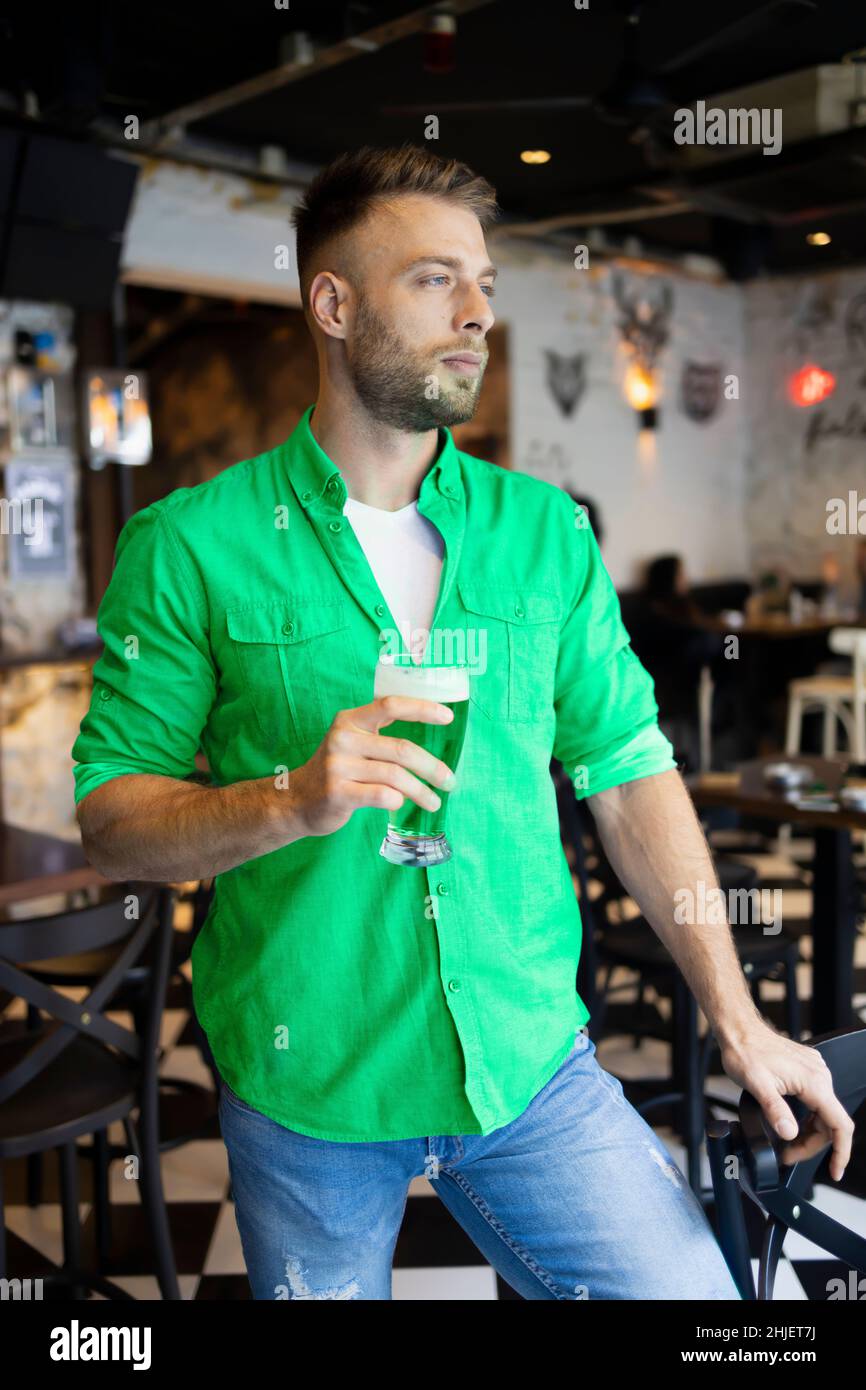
[577,1198]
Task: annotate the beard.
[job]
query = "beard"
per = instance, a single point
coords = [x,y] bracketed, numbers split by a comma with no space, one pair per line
[403,388]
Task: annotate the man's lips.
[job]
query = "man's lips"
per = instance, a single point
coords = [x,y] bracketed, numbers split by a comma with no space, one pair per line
[466,363]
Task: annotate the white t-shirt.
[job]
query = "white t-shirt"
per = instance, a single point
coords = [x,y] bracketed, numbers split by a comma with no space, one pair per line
[404,550]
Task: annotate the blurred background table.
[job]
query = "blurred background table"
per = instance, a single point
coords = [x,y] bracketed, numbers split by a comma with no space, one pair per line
[33,865]
[834,883]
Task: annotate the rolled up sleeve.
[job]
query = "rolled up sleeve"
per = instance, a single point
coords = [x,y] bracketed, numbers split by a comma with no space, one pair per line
[607,728]
[155,682]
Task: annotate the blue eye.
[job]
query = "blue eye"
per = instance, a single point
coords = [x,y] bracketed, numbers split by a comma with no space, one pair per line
[430,279]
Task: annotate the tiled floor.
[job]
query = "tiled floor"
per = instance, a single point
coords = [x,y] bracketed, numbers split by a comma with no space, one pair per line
[434,1258]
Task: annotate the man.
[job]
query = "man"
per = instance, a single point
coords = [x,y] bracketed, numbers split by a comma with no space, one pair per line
[375,1022]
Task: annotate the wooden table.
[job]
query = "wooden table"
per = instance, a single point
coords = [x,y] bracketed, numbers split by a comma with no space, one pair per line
[33,865]
[834,887]
[782,626]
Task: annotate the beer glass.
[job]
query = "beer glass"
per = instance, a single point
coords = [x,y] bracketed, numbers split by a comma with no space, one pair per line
[416,836]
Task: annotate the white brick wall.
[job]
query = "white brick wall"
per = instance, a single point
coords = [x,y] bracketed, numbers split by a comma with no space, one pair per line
[792,321]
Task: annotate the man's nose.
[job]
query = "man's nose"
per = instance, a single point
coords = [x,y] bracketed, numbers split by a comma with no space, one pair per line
[475,313]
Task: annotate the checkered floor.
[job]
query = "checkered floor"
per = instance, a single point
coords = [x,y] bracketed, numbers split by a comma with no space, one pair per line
[434,1258]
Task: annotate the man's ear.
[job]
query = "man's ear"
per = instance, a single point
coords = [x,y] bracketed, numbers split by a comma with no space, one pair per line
[329,294]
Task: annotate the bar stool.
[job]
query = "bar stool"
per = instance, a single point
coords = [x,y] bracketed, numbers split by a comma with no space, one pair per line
[842,699]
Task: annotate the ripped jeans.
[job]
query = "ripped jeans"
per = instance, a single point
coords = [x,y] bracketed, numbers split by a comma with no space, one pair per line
[575,1199]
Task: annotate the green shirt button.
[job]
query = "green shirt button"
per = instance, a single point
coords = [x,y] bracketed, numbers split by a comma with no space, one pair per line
[454,986]
[307,496]
[106,694]
[288,629]
[442,888]
[518,610]
[335,525]
[332,485]
[379,610]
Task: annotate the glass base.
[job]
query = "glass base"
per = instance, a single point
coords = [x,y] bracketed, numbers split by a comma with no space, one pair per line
[414,850]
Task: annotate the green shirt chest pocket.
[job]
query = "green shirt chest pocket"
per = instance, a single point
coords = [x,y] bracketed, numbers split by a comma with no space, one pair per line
[512,646]
[297,663]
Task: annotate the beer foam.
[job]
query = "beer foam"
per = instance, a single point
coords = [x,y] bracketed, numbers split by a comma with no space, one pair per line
[446,684]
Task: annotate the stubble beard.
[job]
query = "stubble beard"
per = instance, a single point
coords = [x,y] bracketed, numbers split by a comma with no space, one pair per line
[397,386]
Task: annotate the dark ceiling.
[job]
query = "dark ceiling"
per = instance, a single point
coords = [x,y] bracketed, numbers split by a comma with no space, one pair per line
[600,90]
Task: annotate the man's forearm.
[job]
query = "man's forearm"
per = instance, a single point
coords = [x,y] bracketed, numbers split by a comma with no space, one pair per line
[161,830]
[655,843]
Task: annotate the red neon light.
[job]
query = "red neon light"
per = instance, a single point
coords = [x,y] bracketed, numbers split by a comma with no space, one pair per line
[810,385]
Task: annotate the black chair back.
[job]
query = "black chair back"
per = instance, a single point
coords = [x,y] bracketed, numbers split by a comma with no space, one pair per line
[136,921]
[779,1190]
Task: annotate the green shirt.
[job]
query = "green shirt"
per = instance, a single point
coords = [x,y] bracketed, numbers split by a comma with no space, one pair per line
[343,996]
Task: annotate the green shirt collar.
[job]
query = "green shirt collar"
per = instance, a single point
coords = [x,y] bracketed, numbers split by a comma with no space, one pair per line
[314,476]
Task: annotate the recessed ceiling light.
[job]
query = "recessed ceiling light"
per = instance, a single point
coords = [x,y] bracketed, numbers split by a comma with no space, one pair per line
[535,156]
[819,238]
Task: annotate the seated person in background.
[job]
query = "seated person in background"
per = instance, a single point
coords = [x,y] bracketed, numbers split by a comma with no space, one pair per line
[674,641]
[667,590]
[679,628]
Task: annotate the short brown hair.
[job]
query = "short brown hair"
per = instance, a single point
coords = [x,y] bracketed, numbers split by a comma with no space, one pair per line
[342,194]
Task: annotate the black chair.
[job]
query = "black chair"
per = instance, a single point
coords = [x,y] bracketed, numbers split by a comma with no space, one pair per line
[632,944]
[83,971]
[780,1191]
[76,1071]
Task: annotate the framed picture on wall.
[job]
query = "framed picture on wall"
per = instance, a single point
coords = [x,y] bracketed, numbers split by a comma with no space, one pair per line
[117,418]
[38,518]
[40,411]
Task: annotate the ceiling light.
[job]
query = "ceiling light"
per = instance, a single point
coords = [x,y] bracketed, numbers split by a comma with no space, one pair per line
[535,156]
[819,238]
